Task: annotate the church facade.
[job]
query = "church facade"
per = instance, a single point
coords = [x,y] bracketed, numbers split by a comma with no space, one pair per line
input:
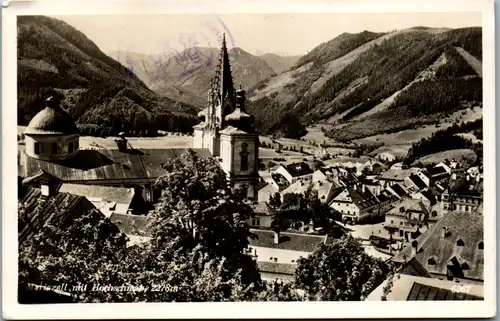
[226,129]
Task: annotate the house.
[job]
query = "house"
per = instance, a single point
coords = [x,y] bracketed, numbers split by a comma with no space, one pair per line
[417,288]
[371,184]
[414,183]
[356,203]
[438,174]
[277,253]
[408,216]
[393,176]
[398,190]
[463,194]
[452,249]
[374,167]
[264,193]
[326,190]
[295,172]
[42,206]
[386,156]
[446,165]
[426,195]
[474,171]
[108,199]
[263,216]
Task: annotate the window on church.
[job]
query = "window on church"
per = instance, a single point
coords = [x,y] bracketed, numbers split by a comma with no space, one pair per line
[54,148]
[38,148]
[244,157]
[70,147]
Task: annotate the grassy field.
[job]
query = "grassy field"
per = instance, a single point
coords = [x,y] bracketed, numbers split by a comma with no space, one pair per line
[396,150]
[466,155]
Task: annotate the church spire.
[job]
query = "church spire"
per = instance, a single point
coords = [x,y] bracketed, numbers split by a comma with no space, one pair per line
[226,86]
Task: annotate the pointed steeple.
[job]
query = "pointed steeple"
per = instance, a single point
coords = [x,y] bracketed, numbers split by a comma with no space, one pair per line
[223,73]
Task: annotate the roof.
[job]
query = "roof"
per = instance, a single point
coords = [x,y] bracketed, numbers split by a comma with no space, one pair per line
[463,187]
[288,241]
[280,180]
[409,205]
[464,226]
[395,174]
[417,181]
[324,188]
[90,165]
[51,120]
[416,288]
[121,195]
[278,268]
[362,199]
[438,170]
[131,224]
[299,169]
[261,208]
[38,210]
[398,189]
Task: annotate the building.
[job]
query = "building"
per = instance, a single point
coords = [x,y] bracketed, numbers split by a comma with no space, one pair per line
[414,183]
[463,194]
[408,216]
[417,288]
[108,199]
[326,190]
[277,253]
[398,190]
[227,130]
[265,192]
[393,176]
[296,172]
[42,206]
[386,156]
[263,216]
[52,146]
[452,249]
[356,203]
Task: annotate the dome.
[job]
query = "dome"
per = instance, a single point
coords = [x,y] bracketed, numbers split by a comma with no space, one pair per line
[52,120]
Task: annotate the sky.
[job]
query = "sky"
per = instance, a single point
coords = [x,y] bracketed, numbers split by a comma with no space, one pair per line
[289,34]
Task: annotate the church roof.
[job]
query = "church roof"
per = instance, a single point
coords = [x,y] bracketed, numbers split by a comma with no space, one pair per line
[52,120]
[97,165]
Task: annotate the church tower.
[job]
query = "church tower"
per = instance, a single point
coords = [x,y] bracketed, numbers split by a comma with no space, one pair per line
[227,129]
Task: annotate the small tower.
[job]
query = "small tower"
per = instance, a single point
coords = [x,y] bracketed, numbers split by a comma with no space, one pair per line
[52,134]
[240,149]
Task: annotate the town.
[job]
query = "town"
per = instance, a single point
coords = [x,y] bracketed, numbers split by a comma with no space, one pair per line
[425,220]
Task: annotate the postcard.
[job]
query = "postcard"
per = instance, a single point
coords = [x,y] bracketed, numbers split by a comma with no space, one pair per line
[201,159]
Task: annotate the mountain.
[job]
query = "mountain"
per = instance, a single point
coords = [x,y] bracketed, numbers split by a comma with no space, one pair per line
[279,63]
[56,59]
[369,83]
[190,71]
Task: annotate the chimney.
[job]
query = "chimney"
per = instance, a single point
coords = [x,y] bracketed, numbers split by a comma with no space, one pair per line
[478,179]
[355,186]
[276,237]
[363,188]
[454,176]
[444,230]
[468,177]
[121,143]
[414,246]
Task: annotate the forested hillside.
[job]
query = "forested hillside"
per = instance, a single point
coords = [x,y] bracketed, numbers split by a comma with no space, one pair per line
[326,87]
[56,59]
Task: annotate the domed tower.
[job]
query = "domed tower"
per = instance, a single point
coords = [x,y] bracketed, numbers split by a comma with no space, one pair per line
[52,134]
[240,149]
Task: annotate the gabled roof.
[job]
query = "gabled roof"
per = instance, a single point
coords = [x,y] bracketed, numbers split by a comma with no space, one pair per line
[288,241]
[362,199]
[417,181]
[409,205]
[276,267]
[395,174]
[262,209]
[435,171]
[416,288]
[121,195]
[299,169]
[464,226]
[109,164]
[57,209]
[399,190]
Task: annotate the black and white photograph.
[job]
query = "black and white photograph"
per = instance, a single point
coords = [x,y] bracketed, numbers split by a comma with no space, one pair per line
[170,157]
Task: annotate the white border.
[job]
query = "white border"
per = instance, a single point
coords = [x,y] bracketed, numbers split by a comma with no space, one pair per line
[463,309]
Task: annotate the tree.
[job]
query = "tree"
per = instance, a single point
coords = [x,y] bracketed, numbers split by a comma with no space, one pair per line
[86,252]
[275,201]
[340,271]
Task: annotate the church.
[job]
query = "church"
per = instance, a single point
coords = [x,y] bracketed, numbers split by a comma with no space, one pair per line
[52,155]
